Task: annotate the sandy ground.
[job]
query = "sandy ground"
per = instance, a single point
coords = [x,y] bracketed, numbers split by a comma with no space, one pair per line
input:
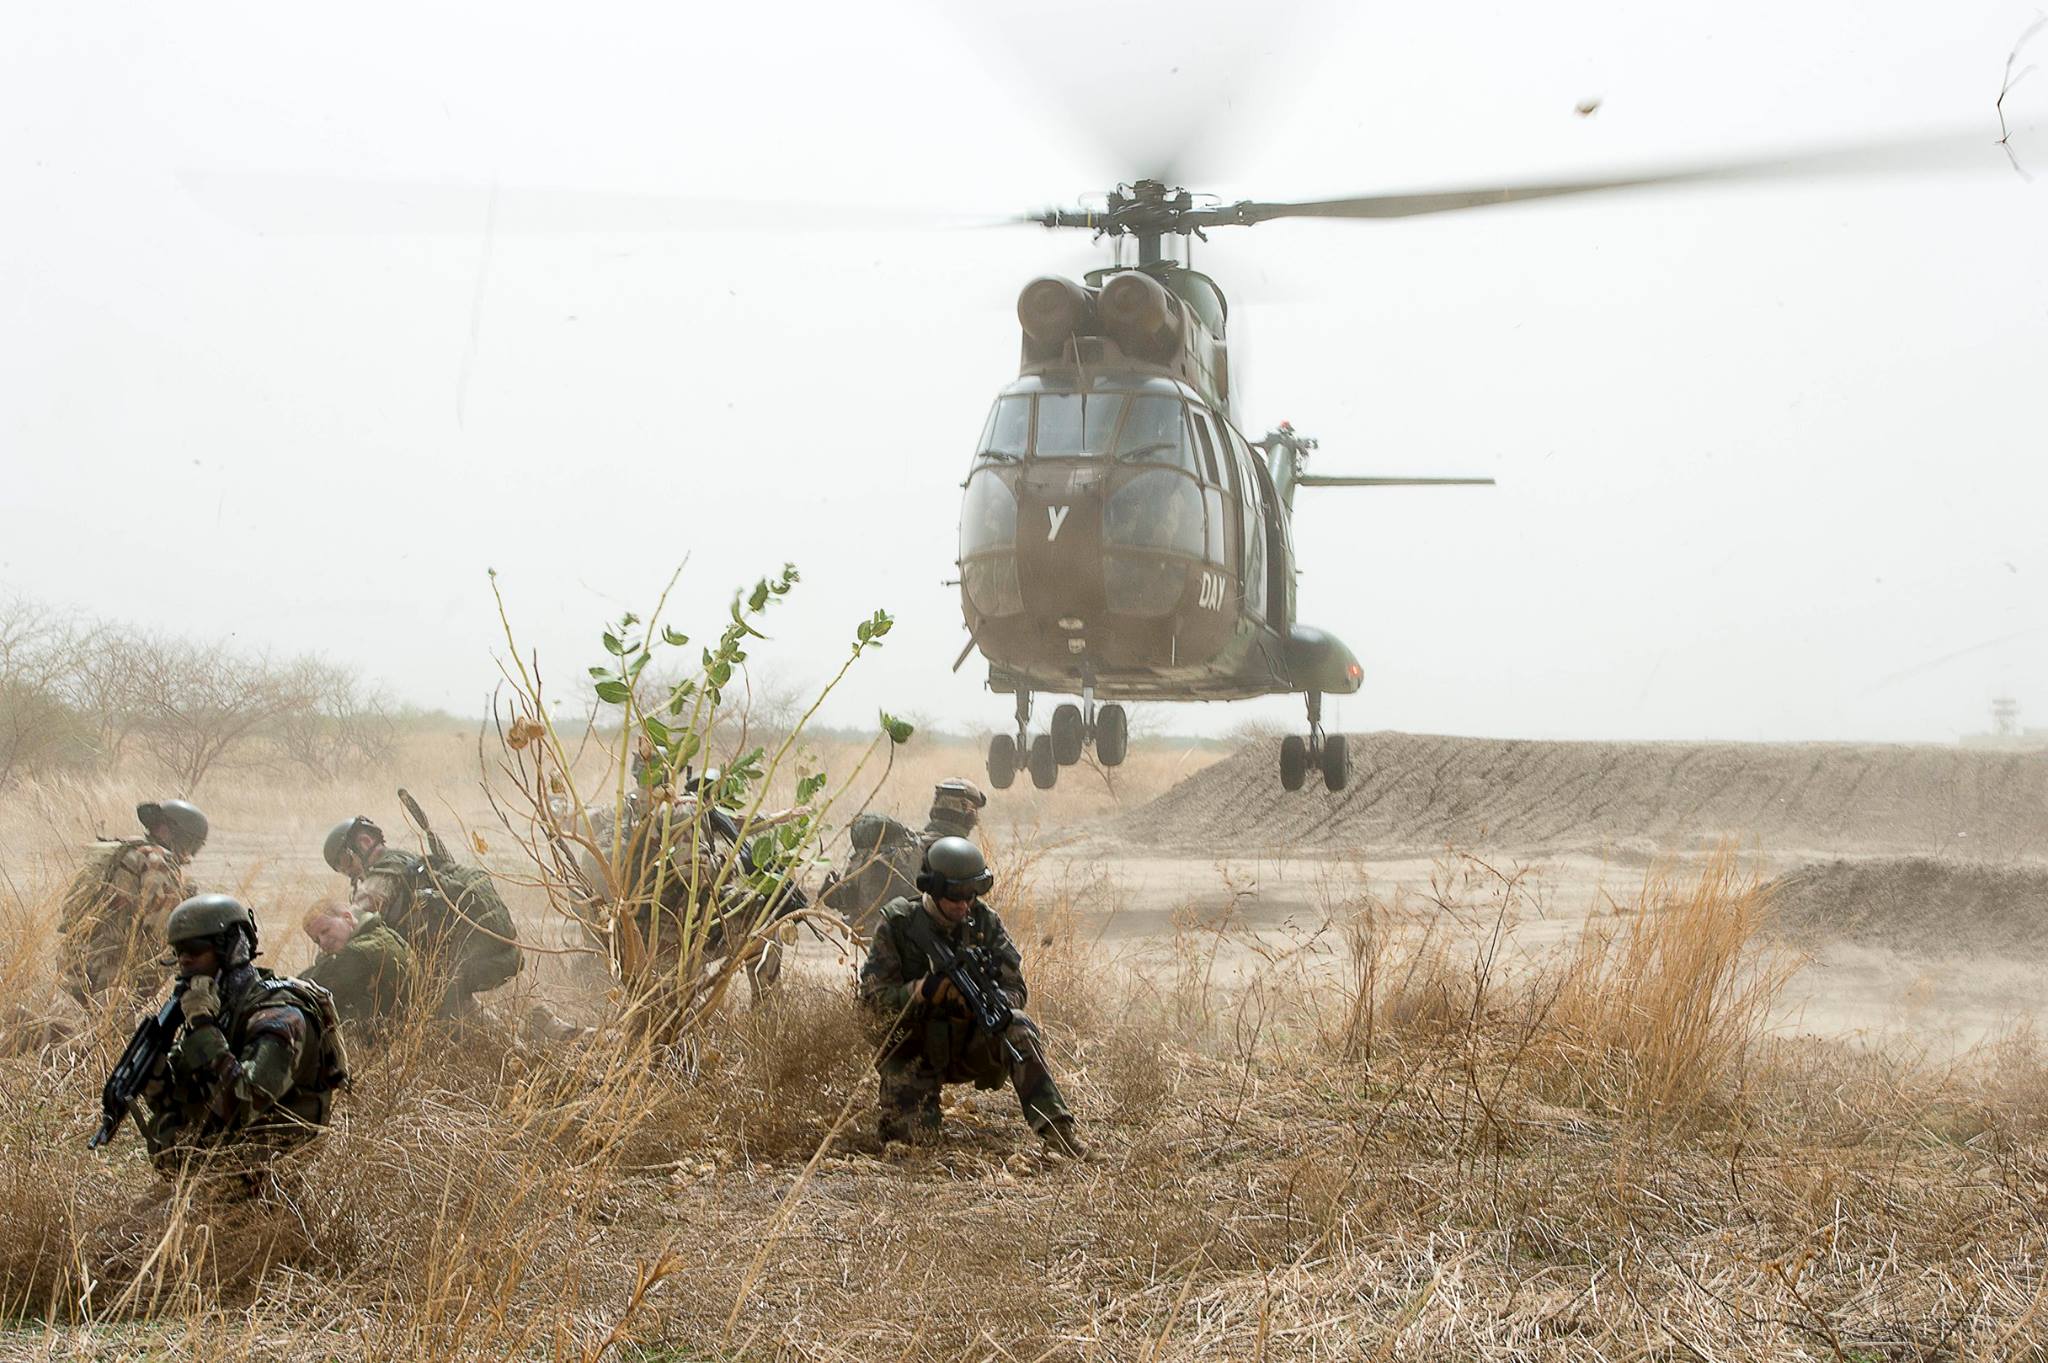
[1134,901]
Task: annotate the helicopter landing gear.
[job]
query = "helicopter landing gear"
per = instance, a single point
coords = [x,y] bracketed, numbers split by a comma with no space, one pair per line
[1112,735]
[1007,756]
[1044,763]
[1327,753]
[1002,761]
[1073,728]
[1069,734]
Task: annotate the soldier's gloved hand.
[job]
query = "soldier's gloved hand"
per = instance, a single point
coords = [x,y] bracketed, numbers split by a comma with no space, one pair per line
[200,1002]
[937,989]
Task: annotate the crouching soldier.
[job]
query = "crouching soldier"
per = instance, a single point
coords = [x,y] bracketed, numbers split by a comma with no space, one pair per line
[257,1057]
[935,1037]
[450,914]
[114,910]
[366,966]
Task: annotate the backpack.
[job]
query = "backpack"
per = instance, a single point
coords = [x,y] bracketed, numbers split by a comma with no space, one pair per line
[457,907]
[884,866]
[86,895]
[315,999]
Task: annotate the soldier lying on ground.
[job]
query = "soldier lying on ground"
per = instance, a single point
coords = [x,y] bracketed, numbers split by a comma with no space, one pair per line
[115,908]
[257,1059]
[365,965]
[934,1039]
[459,929]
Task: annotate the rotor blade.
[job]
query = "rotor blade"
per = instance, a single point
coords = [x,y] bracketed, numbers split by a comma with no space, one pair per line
[1945,152]
[282,203]
[1348,480]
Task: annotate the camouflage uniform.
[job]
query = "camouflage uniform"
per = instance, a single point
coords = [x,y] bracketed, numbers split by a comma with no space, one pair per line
[442,942]
[371,978]
[113,919]
[931,1045]
[886,855]
[233,1097]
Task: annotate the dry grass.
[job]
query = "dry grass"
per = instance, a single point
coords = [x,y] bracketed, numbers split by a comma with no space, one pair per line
[1394,1135]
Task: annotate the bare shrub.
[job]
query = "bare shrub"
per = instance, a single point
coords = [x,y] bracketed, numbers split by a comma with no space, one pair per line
[37,728]
[340,728]
[198,705]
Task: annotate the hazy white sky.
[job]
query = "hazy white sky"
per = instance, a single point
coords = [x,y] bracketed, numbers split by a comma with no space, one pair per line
[1771,457]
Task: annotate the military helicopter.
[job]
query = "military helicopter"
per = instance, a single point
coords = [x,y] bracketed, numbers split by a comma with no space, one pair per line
[1122,539]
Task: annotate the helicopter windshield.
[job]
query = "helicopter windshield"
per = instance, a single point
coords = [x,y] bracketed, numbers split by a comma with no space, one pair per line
[1070,423]
[1008,432]
[1154,433]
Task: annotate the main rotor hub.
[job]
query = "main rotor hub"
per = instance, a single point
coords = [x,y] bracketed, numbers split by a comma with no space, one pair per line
[1144,209]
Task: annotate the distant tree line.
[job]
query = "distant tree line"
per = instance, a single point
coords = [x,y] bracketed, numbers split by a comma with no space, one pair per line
[79,695]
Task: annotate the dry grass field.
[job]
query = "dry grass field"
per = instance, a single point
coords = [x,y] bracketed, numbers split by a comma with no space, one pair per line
[1381,1130]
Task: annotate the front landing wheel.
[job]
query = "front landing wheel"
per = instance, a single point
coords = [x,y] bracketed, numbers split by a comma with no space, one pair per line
[1045,769]
[1002,761]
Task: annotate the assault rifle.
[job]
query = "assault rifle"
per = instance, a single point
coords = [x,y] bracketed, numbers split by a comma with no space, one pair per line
[973,973]
[436,849]
[146,1052]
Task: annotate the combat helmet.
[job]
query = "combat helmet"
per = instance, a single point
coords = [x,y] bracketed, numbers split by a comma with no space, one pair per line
[344,833]
[188,826]
[956,807]
[219,920]
[954,868]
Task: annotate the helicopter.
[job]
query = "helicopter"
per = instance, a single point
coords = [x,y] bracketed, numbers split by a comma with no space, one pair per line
[1120,537]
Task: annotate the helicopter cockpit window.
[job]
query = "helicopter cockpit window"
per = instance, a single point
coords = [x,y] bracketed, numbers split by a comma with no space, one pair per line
[1008,433]
[1069,423]
[1208,444]
[1157,510]
[988,516]
[1155,432]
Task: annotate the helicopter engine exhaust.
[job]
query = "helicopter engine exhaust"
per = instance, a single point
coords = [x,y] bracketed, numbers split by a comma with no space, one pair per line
[1050,309]
[1140,315]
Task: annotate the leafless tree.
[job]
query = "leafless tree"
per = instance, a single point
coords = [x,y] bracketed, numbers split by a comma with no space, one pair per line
[102,688]
[197,704]
[344,728]
[36,727]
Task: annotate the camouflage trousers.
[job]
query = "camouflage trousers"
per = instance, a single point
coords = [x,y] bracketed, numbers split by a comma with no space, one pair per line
[911,1082]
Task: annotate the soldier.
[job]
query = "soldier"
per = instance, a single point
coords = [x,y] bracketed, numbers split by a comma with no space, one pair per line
[932,1040]
[886,855]
[469,943]
[956,808]
[115,908]
[258,1056]
[365,965]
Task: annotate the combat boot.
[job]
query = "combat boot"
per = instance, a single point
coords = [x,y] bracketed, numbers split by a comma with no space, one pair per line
[1059,1137]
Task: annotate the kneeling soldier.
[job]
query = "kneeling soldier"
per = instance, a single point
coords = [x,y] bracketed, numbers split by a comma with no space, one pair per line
[257,1057]
[936,1038]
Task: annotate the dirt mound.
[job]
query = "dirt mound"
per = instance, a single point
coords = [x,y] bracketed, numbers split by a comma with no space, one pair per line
[1417,793]
[1916,905]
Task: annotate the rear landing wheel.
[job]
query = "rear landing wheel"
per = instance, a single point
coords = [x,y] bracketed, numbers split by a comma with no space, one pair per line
[1067,734]
[1293,761]
[1336,762]
[1002,761]
[1112,735]
[1044,769]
